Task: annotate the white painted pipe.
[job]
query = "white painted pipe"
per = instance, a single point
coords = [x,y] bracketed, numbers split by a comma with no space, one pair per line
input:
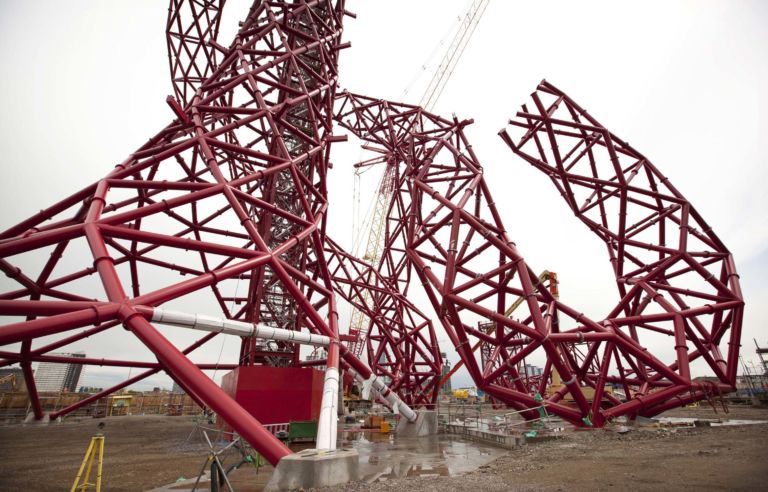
[222,325]
[388,396]
[328,422]
[327,428]
[394,401]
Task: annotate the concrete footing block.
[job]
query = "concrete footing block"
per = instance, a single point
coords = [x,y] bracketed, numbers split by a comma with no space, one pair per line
[315,468]
[506,441]
[425,425]
[30,419]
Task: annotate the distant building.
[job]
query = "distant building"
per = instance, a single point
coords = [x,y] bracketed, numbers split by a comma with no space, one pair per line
[749,385]
[532,370]
[177,389]
[54,376]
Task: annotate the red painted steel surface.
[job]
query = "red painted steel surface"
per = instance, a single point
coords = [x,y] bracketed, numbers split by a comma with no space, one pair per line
[679,298]
[204,205]
[679,288]
[275,395]
[234,191]
[402,342]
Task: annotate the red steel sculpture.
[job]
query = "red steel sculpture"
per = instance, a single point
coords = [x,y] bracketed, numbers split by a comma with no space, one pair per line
[680,299]
[444,226]
[401,344]
[233,192]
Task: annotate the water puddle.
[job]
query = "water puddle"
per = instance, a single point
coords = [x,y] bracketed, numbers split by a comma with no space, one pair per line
[383,457]
[712,422]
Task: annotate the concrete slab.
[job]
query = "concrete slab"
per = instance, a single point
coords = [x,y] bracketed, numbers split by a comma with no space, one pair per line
[506,441]
[425,425]
[315,468]
[30,419]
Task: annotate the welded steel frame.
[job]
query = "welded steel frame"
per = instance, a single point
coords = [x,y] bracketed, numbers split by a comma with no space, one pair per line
[251,141]
[443,219]
[443,227]
[675,277]
[401,343]
[234,134]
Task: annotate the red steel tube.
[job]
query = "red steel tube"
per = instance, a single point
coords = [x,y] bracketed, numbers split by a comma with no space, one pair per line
[213,396]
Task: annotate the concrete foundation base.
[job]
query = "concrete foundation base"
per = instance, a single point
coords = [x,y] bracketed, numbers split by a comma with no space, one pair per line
[314,468]
[30,419]
[506,441]
[425,425]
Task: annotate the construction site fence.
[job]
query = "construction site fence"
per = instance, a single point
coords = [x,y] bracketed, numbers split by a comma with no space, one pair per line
[16,406]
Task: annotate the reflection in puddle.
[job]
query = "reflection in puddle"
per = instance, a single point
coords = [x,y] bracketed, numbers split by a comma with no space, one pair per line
[383,457]
[712,422]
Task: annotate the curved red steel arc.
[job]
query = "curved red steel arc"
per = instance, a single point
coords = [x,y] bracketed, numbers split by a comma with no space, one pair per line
[235,191]
[443,224]
[677,281]
[192,32]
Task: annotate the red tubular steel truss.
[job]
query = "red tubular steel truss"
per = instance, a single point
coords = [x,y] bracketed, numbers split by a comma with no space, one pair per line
[679,291]
[234,191]
[443,225]
[401,345]
[192,202]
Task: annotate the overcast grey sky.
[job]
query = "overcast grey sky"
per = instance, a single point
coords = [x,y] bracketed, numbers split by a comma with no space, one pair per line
[83,84]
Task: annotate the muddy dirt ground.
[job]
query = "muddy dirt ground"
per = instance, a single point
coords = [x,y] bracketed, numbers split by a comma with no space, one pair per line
[139,452]
[706,458]
[143,452]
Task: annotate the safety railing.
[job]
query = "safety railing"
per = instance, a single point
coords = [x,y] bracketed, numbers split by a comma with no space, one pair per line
[484,416]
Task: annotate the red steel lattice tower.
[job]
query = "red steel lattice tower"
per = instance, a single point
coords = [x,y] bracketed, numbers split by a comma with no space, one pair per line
[233,192]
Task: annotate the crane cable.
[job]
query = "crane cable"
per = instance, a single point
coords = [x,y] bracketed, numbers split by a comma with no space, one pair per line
[471,15]
[436,86]
[426,66]
[359,228]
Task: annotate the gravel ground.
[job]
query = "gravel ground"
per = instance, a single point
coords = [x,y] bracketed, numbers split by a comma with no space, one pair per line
[705,458]
[143,452]
[139,452]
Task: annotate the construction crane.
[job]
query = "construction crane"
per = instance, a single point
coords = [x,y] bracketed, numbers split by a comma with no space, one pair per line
[359,322]
[760,352]
[9,378]
[452,55]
